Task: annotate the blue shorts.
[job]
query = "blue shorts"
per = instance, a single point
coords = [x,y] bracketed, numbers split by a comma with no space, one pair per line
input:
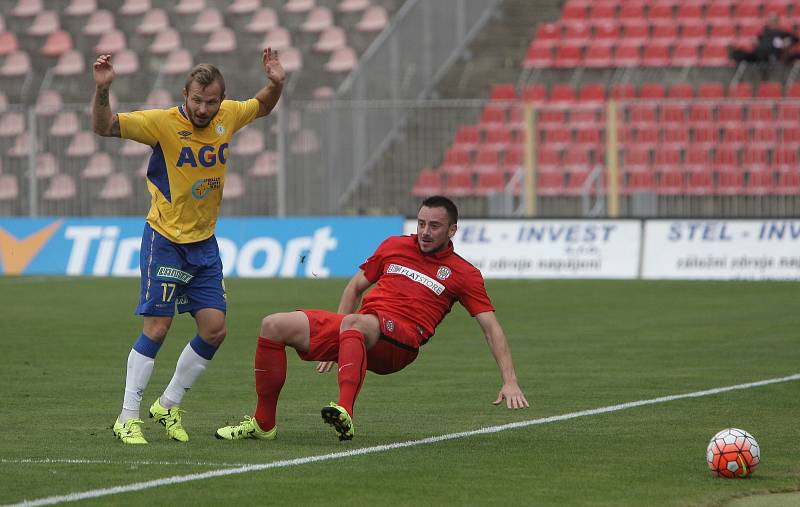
[188,276]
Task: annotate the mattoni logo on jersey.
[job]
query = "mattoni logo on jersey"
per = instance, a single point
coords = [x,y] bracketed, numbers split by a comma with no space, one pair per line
[433,285]
[443,273]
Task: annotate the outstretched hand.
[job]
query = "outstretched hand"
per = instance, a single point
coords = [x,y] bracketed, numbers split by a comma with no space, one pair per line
[513,396]
[102,71]
[273,67]
[325,366]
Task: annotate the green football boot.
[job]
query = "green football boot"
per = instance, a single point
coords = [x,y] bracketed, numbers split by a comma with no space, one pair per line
[248,428]
[338,417]
[170,418]
[130,432]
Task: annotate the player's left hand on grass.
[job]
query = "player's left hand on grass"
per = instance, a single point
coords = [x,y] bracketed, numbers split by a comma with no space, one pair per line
[325,366]
[513,396]
[273,67]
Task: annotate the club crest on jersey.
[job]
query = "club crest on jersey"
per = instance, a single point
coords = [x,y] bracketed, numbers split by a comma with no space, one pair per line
[389,324]
[443,273]
[220,129]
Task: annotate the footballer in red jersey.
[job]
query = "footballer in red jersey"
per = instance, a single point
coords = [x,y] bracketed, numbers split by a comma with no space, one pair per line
[416,279]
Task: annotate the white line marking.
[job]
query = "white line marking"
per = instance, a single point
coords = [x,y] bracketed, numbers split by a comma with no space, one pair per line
[139,486]
[76,461]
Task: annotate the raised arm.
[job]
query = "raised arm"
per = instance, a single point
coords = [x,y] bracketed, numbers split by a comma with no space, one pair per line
[104,122]
[498,344]
[269,95]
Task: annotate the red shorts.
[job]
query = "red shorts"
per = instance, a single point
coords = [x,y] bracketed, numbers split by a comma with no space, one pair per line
[390,354]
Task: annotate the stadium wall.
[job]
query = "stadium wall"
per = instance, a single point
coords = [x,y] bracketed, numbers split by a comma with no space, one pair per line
[325,247]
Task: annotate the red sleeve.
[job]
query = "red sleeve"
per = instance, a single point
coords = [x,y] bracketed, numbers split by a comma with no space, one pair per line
[373,267]
[474,297]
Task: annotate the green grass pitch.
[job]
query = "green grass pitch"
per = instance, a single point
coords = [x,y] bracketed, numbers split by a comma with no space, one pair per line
[576,345]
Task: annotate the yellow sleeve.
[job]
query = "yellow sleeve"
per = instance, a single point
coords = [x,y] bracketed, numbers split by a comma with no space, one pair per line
[141,126]
[244,111]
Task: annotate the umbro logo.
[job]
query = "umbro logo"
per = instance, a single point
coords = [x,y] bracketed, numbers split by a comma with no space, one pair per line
[185,134]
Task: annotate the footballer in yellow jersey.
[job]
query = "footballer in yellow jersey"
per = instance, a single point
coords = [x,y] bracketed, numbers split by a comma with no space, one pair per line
[179,259]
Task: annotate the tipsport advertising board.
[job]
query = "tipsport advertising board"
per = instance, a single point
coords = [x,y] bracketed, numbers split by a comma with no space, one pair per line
[249,247]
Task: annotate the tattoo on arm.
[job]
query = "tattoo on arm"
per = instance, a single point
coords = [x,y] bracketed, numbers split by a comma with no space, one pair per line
[115,130]
[102,98]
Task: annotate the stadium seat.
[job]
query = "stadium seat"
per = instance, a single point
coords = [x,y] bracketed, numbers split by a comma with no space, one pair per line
[513,159]
[179,61]
[467,137]
[374,19]
[352,5]
[428,182]
[720,10]
[550,32]
[577,160]
[159,98]
[458,184]
[27,8]
[331,39]
[726,158]
[499,137]
[126,62]
[639,182]
[9,187]
[60,188]
[568,56]
[265,165]
[576,33]
[685,54]
[606,33]
[755,158]
[661,12]
[342,60]
[572,11]
[652,91]
[12,124]
[673,113]
[44,23]
[698,159]
[262,20]
[730,183]
[66,124]
[111,42]
[741,90]
[793,91]
[730,114]
[292,59]
[117,187]
[234,187]
[701,114]
[154,22]
[221,42]
[549,159]
[598,56]
[788,183]
[493,115]
[759,183]
[759,113]
[456,159]
[318,19]
[549,183]
[134,7]
[503,91]
[675,136]
[734,136]
[57,43]
[707,136]
[83,144]
[48,103]
[766,136]
[490,183]
[788,114]
[534,93]
[208,21]
[562,93]
[700,183]
[538,57]
[769,90]
[670,183]
[8,43]
[133,149]
[656,54]
[166,41]
[16,64]
[299,6]
[46,165]
[621,91]
[710,90]
[99,165]
[100,21]
[278,38]
[715,55]
[603,12]
[642,114]
[189,7]
[248,142]
[636,160]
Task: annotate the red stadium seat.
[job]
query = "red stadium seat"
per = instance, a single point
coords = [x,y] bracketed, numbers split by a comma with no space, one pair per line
[628,54]
[707,136]
[667,159]
[639,183]
[538,57]
[8,43]
[189,7]
[760,113]
[759,183]
[493,115]
[331,39]
[165,42]
[741,90]
[642,114]
[656,54]
[601,11]
[785,159]
[513,159]
[27,8]
[673,113]
[670,183]
[726,158]
[568,56]
[562,93]
[720,10]
[429,182]
[715,55]
[631,10]
[592,92]
[701,113]
[598,57]
[685,54]
[676,135]
[710,90]
[730,183]
[9,187]
[665,32]
[499,137]
[606,33]
[548,32]
[693,31]
[573,12]
[681,91]
[503,91]
[111,43]
[65,124]
[153,22]
[46,22]
[575,182]
[636,160]
[549,159]
[99,165]
[793,92]
[221,42]
[117,187]
[688,11]
[549,184]
[652,91]
[458,184]
[735,136]
[318,19]
[622,91]
[700,184]
[262,20]
[576,33]
[636,30]
[755,158]
[698,159]
[342,60]
[769,90]
[60,188]
[534,92]
[57,43]
[373,20]
[208,21]
[661,12]
[16,64]
[486,160]
[577,160]
[133,7]
[730,114]
[48,103]
[788,183]
[99,22]
[788,114]
[490,183]
[766,136]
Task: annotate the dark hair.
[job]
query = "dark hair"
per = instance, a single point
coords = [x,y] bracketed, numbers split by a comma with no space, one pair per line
[440,201]
[205,74]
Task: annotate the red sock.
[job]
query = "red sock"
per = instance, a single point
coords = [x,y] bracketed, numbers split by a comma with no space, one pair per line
[352,367]
[270,369]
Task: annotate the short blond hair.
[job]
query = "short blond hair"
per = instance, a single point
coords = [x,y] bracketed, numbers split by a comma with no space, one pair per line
[205,74]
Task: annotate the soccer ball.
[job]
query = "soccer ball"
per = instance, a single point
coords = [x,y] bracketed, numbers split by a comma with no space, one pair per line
[733,453]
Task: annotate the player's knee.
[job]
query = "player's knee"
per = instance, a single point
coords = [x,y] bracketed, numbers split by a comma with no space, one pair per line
[216,336]
[156,331]
[356,322]
[271,327]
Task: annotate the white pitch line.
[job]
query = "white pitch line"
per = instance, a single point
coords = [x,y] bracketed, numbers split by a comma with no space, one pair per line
[77,461]
[178,479]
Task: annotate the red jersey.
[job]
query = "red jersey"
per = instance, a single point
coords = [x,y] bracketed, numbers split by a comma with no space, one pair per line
[421,287]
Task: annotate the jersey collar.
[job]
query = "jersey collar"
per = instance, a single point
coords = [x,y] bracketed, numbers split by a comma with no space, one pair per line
[183,113]
[441,254]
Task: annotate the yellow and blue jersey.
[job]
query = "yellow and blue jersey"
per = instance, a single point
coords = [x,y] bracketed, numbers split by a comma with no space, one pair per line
[186,172]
